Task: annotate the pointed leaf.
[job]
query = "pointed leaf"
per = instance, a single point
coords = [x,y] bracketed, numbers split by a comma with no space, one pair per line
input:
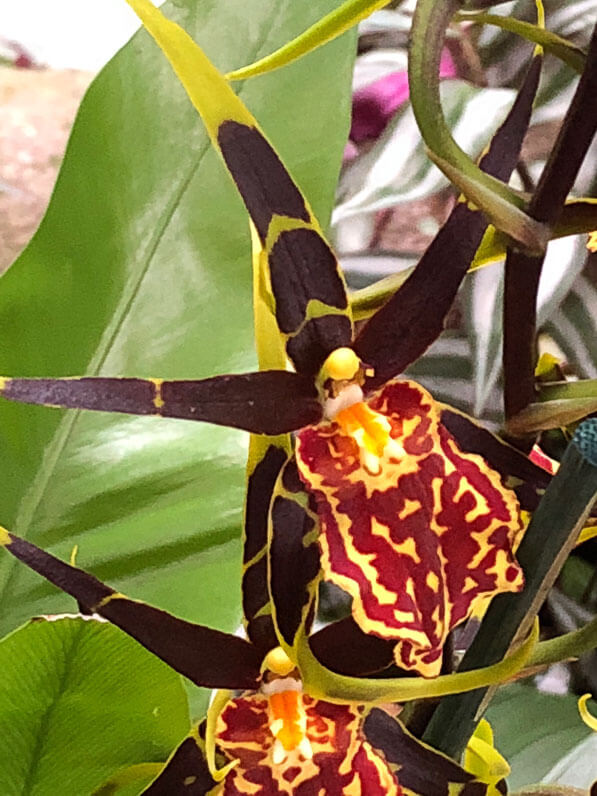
[402,329]
[207,657]
[267,402]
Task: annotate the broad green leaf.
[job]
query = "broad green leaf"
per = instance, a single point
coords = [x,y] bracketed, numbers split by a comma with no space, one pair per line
[79,699]
[535,731]
[142,267]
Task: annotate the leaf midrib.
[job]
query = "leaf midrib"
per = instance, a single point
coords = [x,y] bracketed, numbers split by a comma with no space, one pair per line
[33,497]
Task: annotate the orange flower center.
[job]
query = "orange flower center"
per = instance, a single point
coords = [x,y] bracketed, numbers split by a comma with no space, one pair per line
[371,432]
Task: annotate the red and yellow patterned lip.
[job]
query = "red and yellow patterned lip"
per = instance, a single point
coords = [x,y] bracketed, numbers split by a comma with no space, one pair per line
[414,529]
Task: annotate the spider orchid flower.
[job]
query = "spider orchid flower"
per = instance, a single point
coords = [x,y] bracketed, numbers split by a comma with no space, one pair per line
[414,527]
[265,733]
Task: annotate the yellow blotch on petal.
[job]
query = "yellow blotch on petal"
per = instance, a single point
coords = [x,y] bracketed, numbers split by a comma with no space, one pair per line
[4,537]
[592,242]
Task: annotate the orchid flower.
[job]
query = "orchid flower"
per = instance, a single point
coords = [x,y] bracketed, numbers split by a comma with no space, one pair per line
[268,733]
[389,506]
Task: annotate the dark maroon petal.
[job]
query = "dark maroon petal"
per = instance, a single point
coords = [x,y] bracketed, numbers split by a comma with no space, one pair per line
[294,554]
[344,648]
[260,485]
[268,402]
[413,318]
[421,769]
[207,657]
[264,184]
[522,270]
[185,774]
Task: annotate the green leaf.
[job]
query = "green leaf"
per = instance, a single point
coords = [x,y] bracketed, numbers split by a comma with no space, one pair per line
[535,731]
[142,267]
[79,700]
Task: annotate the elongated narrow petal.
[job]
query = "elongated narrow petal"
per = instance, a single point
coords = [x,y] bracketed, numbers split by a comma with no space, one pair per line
[257,610]
[339,761]
[186,771]
[518,472]
[410,321]
[308,290]
[294,567]
[207,657]
[415,534]
[267,402]
[420,768]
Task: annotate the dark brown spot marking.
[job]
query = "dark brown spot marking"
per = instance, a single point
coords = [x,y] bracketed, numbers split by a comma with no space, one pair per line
[260,176]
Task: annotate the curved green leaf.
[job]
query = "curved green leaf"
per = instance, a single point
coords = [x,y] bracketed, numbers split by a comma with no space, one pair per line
[142,267]
[78,700]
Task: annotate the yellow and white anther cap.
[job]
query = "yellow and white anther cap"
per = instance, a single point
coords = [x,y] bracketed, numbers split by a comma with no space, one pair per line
[341,365]
[278,662]
[347,397]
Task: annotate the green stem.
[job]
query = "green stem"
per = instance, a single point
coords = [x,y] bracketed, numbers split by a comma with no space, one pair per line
[552,43]
[570,645]
[499,202]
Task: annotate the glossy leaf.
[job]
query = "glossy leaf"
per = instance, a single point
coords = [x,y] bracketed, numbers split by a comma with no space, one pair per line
[534,731]
[142,266]
[78,700]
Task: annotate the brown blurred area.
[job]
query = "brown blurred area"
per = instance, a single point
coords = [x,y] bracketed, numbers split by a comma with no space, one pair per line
[37,110]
